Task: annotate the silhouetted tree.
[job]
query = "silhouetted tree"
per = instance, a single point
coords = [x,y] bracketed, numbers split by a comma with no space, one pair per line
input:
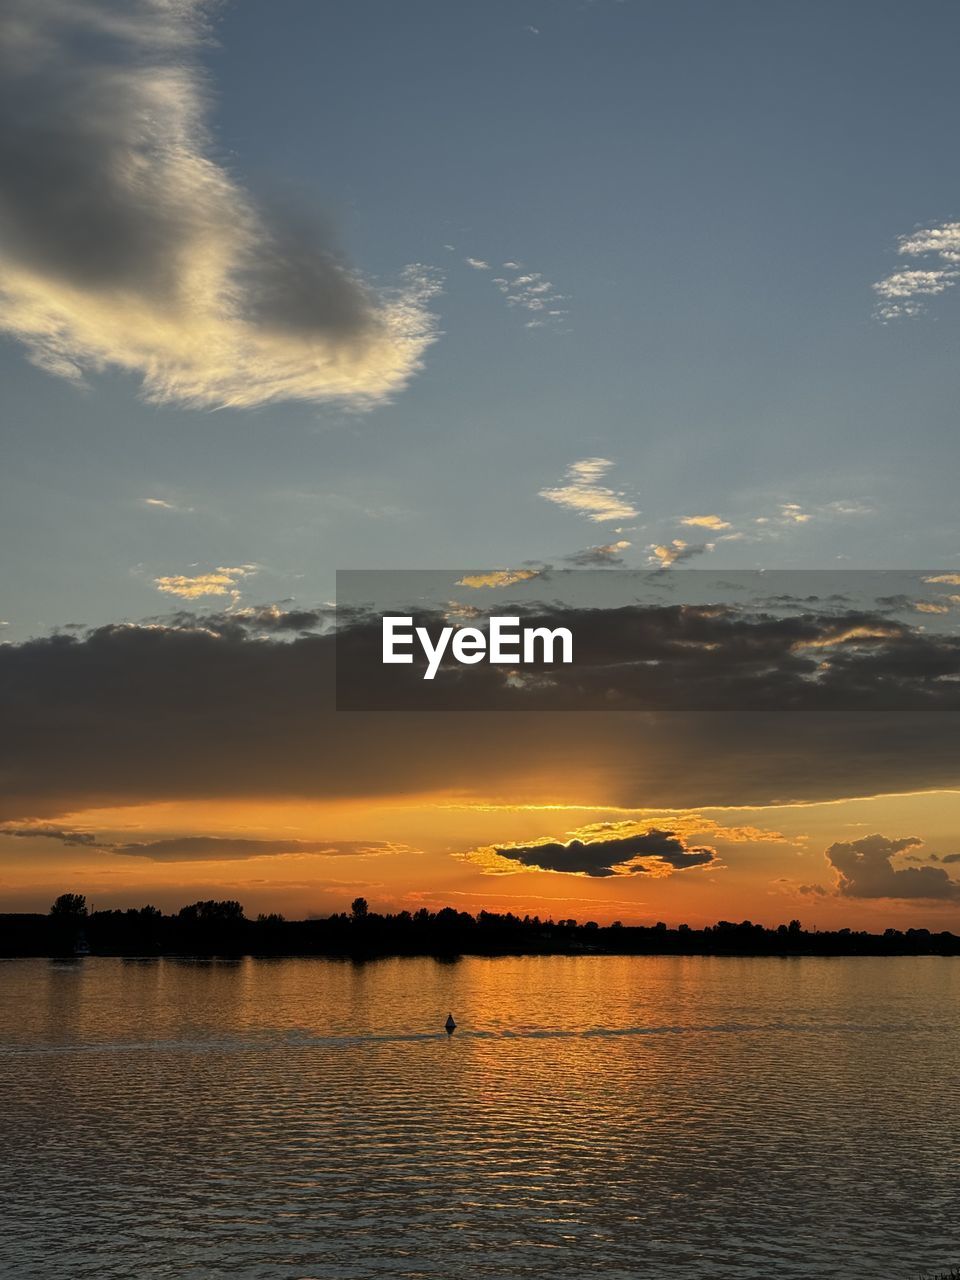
[220,928]
[70,907]
[212,912]
[214,927]
[68,915]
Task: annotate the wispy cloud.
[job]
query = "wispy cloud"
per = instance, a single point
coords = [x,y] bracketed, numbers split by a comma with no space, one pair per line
[203,848]
[161,504]
[126,245]
[675,552]
[532,292]
[607,556]
[904,293]
[222,581]
[584,493]
[47,831]
[793,513]
[849,507]
[527,291]
[779,520]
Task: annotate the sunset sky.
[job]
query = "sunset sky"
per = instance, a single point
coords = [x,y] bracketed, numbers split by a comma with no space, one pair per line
[536,285]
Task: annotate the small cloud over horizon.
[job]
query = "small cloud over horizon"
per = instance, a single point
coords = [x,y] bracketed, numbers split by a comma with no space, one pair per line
[584,494]
[497,578]
[677,551]
[599,557]
[597,854]
[222,581]
[706,522]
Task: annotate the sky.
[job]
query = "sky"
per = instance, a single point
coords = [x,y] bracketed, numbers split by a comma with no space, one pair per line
[297,288]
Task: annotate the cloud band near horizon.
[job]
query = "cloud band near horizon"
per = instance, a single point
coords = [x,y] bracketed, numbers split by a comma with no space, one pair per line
[196,707]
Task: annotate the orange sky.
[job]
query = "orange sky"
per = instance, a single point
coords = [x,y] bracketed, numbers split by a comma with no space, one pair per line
[435,851]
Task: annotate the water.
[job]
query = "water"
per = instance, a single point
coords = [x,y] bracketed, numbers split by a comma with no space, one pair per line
[592,1116]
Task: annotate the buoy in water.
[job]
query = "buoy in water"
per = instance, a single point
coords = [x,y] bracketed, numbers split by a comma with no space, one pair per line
[450,1026]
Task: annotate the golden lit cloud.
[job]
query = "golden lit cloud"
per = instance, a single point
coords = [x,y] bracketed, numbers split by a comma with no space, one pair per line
[127,246]
[584,493]
[926,606]
[706,522]
[668,553]
[497,578]
[845,635]
[223,581]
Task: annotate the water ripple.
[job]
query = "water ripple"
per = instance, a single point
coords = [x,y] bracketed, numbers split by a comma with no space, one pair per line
[594,1116]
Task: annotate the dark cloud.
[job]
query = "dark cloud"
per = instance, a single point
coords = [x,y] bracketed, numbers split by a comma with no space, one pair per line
[678,657]
[38,832]
[202,848]
[602,557]
[865,870]
[297,282]
[607,857]
[677,552]
[131,714]
[690,552]
[230,848]
[253,620]
[786,598]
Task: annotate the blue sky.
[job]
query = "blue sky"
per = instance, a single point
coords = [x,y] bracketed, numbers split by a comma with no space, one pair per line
[706,193]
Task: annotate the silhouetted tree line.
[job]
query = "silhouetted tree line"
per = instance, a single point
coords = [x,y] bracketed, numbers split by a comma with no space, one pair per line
[222,928]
